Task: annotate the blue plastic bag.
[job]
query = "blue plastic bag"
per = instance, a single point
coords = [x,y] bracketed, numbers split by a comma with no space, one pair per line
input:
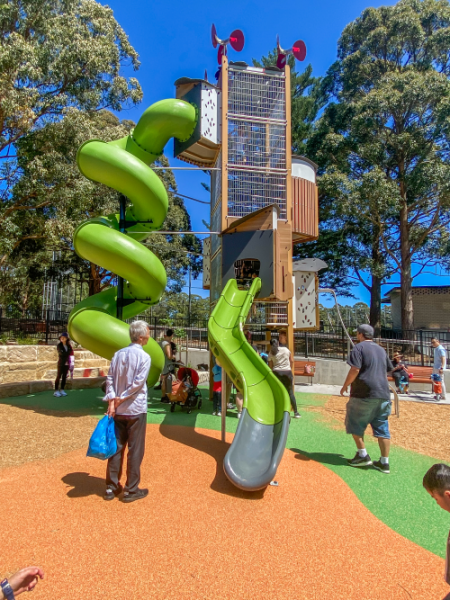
[103,443]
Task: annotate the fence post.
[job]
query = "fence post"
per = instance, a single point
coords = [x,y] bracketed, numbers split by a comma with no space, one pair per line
[422,360]
[306,344]
[47,323]
[344,345]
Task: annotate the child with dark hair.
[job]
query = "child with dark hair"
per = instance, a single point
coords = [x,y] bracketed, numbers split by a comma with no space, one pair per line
[65,350]
[437,483]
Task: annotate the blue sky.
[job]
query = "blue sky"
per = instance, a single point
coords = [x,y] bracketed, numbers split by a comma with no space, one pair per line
[173,40]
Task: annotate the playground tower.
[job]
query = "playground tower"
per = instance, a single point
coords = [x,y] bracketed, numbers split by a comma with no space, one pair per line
[263,199]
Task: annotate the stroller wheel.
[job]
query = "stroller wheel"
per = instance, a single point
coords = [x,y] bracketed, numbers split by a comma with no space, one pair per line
[199,404]
[172,407]
[189,410]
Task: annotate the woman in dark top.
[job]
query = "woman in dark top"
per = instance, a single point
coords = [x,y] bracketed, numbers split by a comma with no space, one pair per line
[400,372]
[64,351]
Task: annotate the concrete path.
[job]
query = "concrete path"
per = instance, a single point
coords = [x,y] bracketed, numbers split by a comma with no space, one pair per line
[333,390]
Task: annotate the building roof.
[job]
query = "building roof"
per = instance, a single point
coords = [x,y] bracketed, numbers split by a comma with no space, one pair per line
[430,288]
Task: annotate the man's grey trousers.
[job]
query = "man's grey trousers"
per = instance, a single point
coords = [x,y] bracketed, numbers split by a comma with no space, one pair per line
[129,430]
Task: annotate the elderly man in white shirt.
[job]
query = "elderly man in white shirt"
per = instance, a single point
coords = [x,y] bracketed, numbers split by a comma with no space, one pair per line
[126,393]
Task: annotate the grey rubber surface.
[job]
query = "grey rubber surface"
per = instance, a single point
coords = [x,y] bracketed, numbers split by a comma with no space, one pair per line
[253,458]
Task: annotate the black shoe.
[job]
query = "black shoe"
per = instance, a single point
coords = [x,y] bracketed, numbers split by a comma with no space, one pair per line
[379,466]
[157,387]
[358,461]
[110,495]
[165,400]
[136,496]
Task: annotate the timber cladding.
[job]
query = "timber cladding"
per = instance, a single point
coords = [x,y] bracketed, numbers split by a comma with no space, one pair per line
[305,209]
[284,289]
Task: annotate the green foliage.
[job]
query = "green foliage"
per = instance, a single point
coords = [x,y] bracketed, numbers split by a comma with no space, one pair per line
[383,140]
[61,67]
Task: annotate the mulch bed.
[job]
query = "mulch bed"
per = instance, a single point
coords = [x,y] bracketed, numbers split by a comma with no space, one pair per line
[423,428]
[27,435]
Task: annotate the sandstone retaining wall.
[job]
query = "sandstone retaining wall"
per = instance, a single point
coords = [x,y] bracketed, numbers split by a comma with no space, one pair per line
[32,363]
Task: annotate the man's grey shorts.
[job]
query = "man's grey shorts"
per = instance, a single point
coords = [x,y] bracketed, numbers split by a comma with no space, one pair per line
[368,411]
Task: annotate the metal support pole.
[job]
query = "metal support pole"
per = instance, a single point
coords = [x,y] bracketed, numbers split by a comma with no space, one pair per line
[47,325]
[306,344]
[224,405]
[123,206]
[189,305]
[422,358]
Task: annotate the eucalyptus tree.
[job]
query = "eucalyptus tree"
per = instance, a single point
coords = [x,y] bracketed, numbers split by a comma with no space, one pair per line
[385,135]
[55,55]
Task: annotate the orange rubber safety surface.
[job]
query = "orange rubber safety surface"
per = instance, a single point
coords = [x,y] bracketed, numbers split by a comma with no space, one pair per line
[197,537]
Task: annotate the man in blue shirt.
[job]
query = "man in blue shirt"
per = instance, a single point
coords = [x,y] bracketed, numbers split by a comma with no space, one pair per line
[439,365]
[126,394]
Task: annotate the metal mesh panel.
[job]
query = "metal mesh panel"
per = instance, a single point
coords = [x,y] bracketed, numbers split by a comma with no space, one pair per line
[216,181]
[250,190]
[216,277]
[269,313]
[257,144]
[215,226]
[256,94]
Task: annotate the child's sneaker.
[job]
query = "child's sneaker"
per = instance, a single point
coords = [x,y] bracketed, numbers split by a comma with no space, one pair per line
[62,393]
[384,468]
[214,414]
[297,416]
[239,415]
[219,414]
[359,461]
[57,394]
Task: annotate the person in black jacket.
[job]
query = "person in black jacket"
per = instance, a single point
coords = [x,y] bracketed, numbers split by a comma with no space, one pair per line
[64,351]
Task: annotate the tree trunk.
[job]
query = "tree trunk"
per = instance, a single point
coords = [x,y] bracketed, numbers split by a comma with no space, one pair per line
[25,302]
[375,290]
[405,272]
[94,279]
[375,304]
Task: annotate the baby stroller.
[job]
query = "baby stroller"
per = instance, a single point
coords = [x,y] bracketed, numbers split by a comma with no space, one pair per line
[184,390]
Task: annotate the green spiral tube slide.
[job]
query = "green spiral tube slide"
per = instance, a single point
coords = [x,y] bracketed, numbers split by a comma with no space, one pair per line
[124,165]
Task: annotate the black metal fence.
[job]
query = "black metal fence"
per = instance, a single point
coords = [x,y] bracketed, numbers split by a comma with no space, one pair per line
[415,345]
[47,327]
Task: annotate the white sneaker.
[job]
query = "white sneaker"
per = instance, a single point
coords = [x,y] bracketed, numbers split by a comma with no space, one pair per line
[239,415]
[219,414]
[57,394]
[62,393]
[214,414]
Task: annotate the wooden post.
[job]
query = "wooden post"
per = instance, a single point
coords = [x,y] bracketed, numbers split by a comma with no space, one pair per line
[289,215]
[224,173]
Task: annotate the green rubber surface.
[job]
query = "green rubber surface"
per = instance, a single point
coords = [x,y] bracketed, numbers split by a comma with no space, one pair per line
[265,398]
[398,499]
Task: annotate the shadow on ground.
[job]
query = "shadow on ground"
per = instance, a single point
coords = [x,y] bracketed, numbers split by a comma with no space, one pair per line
[83,485]
[214,448]
[326,458]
